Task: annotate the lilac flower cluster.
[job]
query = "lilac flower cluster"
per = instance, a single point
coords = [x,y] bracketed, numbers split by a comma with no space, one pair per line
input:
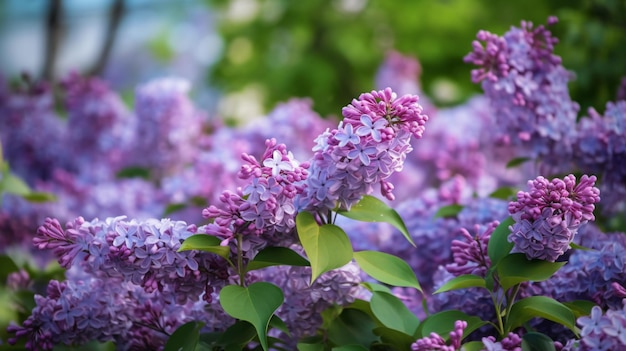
[86,308]
[436,342]
[601,331]
[367,147]
[144,253]
[470,254]
[511,342]
[600,148]
[548,216]
[265,206]
[169,125]
[527,87]
[304,303]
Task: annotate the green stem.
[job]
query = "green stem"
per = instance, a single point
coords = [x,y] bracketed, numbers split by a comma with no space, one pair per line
[240,268]
[498,307]
[510,299]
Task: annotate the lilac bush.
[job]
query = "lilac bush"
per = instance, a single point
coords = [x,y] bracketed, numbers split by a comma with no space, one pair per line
[183,233]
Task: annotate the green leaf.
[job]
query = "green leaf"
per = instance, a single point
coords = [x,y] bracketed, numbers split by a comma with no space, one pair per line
[39,197]
[350,348]
[328,247]
[442,323]
[352,327]
[371,209]
[473,346]
[387,269]
[578,247]
[204,242]
[310,347]
[392,313]
[517,161]
[274,256]
[237,335]
[516,268]
[7,266]
[255,304]
[448,211]
[376,287]
[499,245]
[534,341]
[543,307]
[504,193]
[580,307]
[185,338]
[172,208]
[11,184]
[399,340]
[462,282]
[134,172]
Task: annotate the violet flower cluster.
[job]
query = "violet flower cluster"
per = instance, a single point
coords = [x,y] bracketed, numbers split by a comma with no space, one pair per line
[144,253]
[527,87]
[436,342]
[548,216]
[601,330]
[369,145]
[265,206]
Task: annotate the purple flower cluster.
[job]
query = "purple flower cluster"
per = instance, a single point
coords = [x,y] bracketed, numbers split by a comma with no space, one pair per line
[601,331]
[86,308]
[548,216]
[470,254]
[144,253]
[436,342]
[527,87]
[366,148]
[265,206]
[304,303]
[600,148]
[169,125]
[511,342]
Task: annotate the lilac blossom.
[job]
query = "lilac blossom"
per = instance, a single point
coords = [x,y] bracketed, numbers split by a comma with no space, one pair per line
[368,146]
[512,342]
[144,253]
[436,342]
[601,330]
[168,125]
[548,216]
[527,87]
[470,254]
[600,148]
[265,207]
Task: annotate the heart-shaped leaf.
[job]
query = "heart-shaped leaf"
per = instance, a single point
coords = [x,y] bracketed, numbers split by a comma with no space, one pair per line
[185,338]
[516,268]
[274,256]
[387,269]
[254,304]
[371,209]
[543,307]
[393,313]
[328,247]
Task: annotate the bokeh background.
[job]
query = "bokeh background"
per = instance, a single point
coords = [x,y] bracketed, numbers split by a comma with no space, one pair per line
[244,56]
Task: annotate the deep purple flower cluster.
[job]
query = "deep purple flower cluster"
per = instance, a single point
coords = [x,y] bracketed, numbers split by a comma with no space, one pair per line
[511,342]
[436,342]
[527,87]
[470,254]
[548,216]
[366,148]
[265,206]
[144,253]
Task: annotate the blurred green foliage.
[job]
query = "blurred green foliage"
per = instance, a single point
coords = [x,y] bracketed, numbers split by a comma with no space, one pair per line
[329,50]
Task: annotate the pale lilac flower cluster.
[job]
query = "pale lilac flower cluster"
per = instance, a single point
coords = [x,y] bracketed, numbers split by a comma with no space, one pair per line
[100,127]
[304,302]
[601,330]
[144,253]
[548,216]
[32,135]
[591,274]
[600,148]
[527,87]
[265,206]
[369,145]
[168,125]
[511,342]
[436,342]
[85,308]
